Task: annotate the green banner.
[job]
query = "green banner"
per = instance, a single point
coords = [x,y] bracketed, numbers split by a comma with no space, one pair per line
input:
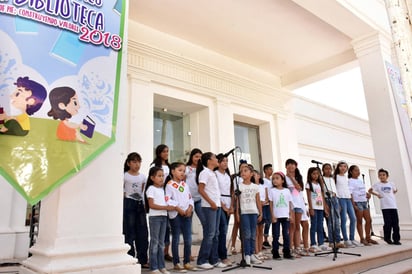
[60,66]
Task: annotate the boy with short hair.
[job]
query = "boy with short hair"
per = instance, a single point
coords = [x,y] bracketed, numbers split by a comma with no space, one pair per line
[385,191]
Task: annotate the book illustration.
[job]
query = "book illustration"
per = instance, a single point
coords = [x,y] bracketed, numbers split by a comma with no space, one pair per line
[90,127]
[24,25]
[68,48]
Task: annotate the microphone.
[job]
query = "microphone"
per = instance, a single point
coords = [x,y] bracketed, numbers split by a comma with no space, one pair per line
[316,162]
[230,151]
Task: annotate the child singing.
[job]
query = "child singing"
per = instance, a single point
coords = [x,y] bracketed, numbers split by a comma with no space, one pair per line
[281,208]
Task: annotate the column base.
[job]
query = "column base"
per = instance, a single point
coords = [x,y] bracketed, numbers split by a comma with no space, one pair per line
[102,255]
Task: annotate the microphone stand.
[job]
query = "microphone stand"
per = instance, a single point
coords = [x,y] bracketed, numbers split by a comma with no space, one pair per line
[372,233]
[332,211]
[242,263]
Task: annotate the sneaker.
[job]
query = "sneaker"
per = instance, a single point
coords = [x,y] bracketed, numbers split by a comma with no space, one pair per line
[340,245]
[205,266]
[288,256]
[220,265]
[314,249]
[266,245]
[348,244]
[276,256]
[389,242]
[254,259]
[357,244]
[397,243]
[371,241]
[324,248]
[227,262]
[247,259]
[164,271]
[155,272]
[189,267]
[179,268]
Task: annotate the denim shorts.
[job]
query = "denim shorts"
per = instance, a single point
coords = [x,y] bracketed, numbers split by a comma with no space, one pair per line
[298,210]
[362,205]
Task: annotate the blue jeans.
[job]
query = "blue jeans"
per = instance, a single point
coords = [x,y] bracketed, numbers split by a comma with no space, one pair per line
[267,219]
[208,248]
[135,229]
[224,220]
[183,225]
[199,211]
[285,234]
[334,217]
[248,225]
[316,227]
[157,235]
[346,207]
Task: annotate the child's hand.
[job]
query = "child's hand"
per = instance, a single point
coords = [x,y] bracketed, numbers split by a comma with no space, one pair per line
[83,127]
[170,208]
[274,219]
[368,195]
[189,212]
[213,206]
[311,212]
[259,219]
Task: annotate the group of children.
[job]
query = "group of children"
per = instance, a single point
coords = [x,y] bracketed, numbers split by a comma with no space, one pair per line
[172,192]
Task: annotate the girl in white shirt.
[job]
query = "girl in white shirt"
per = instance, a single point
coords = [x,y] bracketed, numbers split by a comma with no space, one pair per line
[210,193]
[360,204]
[317,209]
[250,213]
[190,173]
[346,206]
[134,216]
[178,194]
[157,208]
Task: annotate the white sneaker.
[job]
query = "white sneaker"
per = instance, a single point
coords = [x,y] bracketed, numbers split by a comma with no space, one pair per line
[205,266]
[348,244]
[254,259]
[247,259]
[220,265]
[356,243]
[325,248]
[164,271]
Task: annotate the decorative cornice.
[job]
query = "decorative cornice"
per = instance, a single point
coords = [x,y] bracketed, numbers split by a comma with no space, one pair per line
[168,68]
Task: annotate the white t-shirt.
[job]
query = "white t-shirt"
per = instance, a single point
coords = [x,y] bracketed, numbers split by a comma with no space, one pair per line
[224,186]
[281,200]
[191,181]
[248,198]
[267,183]
[387,191]
[208,178]
[262,193]
[330,186]
[297,199]
[158,196]
[357,189]
[342,187]
[178,194]
[316,196]
[134,184]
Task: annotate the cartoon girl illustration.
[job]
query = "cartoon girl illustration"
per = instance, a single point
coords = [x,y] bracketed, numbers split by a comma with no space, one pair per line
[28,98]
[64,104]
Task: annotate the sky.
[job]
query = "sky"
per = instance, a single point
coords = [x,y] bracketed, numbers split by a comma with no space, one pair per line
[343,91]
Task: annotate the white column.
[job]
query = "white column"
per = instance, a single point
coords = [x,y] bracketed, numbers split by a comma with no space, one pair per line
[14,236]
[287,139]
[225,128]
[140,125]
[387,137]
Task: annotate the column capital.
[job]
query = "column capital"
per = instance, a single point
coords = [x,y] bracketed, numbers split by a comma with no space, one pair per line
[372,42]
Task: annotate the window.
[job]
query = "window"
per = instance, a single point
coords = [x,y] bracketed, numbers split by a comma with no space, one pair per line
[247,138]
[170,129]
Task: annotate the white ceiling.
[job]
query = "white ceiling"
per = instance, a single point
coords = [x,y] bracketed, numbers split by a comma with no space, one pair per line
[277,36]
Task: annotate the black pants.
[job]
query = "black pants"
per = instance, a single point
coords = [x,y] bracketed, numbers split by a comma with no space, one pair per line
[391,223]
[135,229]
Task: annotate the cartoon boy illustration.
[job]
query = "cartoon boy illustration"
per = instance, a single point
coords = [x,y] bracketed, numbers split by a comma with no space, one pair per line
[28,98]
[64,104]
